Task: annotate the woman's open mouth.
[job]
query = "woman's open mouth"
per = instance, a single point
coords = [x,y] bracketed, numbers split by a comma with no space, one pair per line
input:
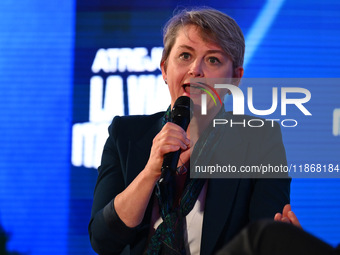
[193,89]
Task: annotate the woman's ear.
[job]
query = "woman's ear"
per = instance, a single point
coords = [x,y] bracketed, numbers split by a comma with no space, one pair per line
[237,75]
[163,69]
[238,72]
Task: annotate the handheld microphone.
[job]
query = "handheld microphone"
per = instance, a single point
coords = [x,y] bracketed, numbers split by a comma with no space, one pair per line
[181,115]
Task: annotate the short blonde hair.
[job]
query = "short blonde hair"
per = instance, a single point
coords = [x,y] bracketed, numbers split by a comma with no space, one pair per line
[214,25]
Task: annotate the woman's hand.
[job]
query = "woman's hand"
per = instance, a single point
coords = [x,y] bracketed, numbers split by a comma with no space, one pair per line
[171,138]
[287,216]
[131,203]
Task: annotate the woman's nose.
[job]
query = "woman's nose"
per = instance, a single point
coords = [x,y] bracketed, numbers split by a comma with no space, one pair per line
[196,69]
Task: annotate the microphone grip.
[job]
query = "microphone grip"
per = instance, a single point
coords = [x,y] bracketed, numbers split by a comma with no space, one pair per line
[171,159]
[169,165]
[181,115]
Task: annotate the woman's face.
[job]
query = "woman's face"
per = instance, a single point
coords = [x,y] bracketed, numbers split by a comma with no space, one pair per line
[192,57]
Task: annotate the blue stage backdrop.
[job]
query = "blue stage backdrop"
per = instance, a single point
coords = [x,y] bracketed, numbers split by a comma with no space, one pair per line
[67,68]
[36,66]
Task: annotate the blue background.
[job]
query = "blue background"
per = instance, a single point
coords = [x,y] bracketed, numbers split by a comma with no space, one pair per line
[46,50]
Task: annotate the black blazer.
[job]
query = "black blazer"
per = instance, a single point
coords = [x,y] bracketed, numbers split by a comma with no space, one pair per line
[230,203]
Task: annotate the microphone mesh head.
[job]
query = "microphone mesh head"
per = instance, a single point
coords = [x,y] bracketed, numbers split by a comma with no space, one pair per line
[183,107]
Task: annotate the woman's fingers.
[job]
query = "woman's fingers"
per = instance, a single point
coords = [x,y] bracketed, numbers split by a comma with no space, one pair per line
[293,219]
[278,217]
[287,216]
[171,138]
[287,208]
[172,134]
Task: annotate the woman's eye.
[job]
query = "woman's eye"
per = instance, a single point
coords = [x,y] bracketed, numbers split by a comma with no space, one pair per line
[214,60]
[185,56]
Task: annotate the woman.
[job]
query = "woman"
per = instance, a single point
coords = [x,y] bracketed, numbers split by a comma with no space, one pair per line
[131,214]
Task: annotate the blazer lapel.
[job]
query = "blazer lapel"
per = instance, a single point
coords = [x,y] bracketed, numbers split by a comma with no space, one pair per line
[221,192]
[139,150]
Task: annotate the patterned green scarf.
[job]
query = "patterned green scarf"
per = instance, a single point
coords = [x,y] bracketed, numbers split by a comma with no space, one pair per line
[169,236]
